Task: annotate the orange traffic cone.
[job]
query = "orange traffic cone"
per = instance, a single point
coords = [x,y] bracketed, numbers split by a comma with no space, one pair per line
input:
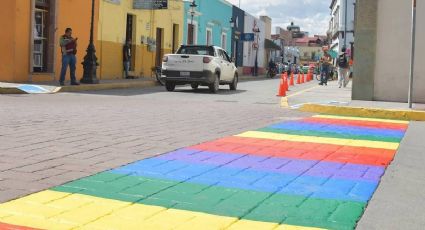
[299,79]
[291,81]
[286,83]
[282,90]
[302,78]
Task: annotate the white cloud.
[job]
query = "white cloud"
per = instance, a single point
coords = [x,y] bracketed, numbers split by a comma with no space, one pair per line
[311,15]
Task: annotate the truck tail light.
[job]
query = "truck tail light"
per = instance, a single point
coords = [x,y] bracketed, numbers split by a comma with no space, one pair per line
[207,60]
[165,59]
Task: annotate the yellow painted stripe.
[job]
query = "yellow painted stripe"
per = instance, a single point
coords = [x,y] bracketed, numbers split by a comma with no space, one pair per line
[59,210]
[362,119]
[320,140]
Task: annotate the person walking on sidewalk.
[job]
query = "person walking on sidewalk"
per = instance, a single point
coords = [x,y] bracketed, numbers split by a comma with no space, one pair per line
[343,69]
[126,58]
[68,46]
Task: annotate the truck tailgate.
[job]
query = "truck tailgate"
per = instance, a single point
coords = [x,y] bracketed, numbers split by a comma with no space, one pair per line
[183,62]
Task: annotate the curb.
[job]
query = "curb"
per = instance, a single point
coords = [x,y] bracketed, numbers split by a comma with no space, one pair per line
[408,115]
[11,91]
[108,86]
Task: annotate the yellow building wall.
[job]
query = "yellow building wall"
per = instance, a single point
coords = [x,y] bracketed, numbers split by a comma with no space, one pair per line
[15,37]
[112,34]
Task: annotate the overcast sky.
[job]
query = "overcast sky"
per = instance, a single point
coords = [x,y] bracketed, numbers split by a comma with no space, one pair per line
[312,15]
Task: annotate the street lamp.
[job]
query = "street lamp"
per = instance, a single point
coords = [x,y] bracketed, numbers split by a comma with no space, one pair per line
[234,42]
[256,31]
[192,10]
[90,60]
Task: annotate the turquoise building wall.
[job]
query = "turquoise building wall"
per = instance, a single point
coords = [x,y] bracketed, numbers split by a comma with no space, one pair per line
[210,14]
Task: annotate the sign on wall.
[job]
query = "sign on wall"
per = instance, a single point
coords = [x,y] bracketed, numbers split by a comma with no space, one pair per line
[247,37]
[150,4]
[117,2]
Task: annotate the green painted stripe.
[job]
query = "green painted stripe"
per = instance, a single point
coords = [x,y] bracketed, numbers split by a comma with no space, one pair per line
[245,204]
[331,135]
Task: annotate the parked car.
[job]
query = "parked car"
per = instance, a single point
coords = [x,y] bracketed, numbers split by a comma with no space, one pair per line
[199,65]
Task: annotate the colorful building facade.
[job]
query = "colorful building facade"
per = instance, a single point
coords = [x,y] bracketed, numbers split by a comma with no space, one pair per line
[211,23]
[253,51]
[29,41]
[151,32]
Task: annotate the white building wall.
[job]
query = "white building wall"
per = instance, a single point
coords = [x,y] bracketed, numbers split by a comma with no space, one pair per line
[249,52]
[338,24]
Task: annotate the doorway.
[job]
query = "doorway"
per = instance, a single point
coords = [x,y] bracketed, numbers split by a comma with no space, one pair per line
[129,36]
[190,34]
[159,46]
[175,38]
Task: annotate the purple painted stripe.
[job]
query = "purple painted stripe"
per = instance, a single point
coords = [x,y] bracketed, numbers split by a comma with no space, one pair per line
[279,165]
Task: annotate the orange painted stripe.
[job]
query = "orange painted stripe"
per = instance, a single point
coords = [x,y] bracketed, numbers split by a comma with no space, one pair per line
[300,150]
[369,124]
[4,226]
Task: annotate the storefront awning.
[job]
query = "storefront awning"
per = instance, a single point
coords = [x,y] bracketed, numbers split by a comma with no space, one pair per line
[332,53]
[269,44]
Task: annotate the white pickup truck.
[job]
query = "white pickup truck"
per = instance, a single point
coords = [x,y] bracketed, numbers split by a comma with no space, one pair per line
[199,65]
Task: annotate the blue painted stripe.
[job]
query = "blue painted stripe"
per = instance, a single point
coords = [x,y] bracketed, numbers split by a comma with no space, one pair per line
[306,126]
[279,165]
[249,179]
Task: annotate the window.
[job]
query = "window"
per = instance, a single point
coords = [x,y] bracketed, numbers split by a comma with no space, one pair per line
[223,55]
[43,36]
[224,41]
[196,50]
[226,57]
[209,37]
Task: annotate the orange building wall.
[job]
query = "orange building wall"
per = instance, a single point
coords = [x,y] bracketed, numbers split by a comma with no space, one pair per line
[7,39]
[76,14]
[22,39]
[15,36]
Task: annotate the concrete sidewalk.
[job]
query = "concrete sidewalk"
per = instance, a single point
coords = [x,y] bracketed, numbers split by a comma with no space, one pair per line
[398,203]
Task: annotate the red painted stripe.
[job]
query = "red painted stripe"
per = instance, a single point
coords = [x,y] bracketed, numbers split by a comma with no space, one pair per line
[4,226]
[369,124]
[300,150]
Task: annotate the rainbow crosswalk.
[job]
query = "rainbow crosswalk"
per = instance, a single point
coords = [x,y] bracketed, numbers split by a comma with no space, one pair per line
[314,173]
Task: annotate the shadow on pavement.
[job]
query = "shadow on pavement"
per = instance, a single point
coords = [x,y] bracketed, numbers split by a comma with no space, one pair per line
[157,89]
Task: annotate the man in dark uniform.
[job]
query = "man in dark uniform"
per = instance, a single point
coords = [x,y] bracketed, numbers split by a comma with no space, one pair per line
[126,58]
[69,48]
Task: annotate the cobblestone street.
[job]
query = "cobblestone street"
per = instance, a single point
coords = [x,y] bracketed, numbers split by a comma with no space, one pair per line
[47,140]
[316,172]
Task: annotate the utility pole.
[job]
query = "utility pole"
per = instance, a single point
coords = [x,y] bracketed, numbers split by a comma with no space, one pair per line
[345,22]
[90,60]
[412,57]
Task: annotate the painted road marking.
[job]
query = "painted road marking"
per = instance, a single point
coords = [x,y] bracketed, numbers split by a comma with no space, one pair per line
[255,180]
[284,102]
[323,140]
[362,119]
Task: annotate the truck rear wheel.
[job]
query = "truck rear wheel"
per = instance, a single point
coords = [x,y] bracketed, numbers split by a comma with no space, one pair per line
[234,84]
[170,86]
[215,86]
